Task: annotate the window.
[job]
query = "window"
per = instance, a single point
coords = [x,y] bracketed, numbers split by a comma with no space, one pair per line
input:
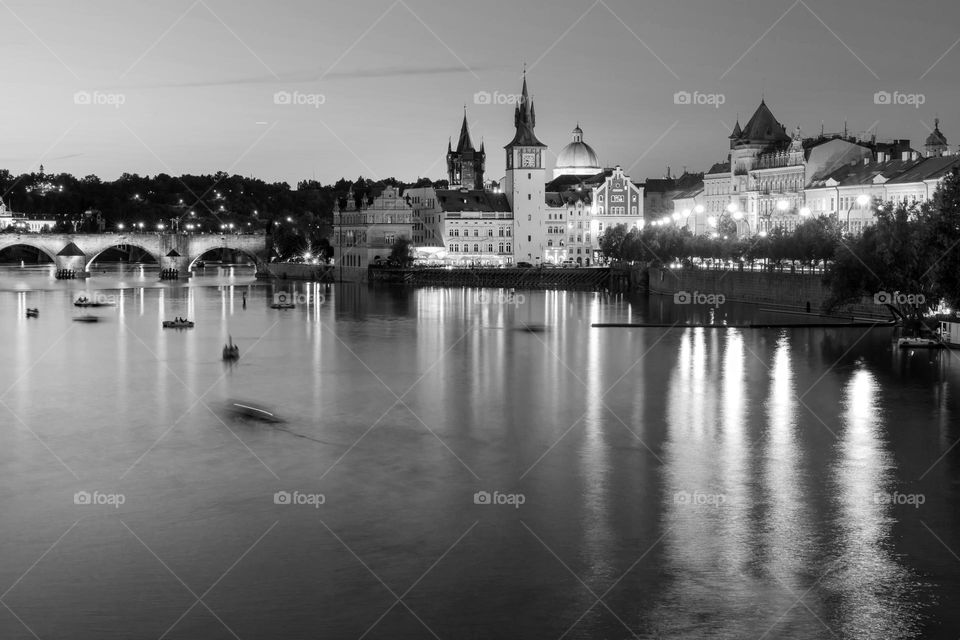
[501,232]
[452,247]
[529,176]
[476,248]
[509,250]
[490,248]
[529,196]
[529,239]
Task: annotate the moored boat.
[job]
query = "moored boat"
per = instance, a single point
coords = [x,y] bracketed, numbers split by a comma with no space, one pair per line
[87,318]
[33,313]
[919,343]
[283,305]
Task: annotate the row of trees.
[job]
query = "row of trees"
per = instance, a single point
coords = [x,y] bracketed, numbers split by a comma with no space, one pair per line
[913,250]
[813,241]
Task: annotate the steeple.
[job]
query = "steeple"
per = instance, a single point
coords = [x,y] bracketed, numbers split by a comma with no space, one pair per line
[525,119]
[465,143]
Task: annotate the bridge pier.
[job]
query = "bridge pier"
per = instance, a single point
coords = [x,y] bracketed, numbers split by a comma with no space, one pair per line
[170,264]
[69,266]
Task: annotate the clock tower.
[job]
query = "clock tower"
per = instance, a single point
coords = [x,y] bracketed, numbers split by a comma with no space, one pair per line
[524,182]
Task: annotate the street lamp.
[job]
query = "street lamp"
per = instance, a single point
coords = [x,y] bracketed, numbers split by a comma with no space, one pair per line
[805,212]
[120,226]
[861,201]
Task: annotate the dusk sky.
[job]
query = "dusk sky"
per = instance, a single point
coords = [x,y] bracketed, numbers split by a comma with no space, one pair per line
[197,80]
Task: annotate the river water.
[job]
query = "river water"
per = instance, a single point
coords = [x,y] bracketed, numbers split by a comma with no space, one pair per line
[442,471]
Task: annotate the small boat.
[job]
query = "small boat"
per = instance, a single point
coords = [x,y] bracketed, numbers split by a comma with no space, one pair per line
[87,318]
[177,324]
[199,264]
[33,313]
[919,343]
[230,350]
[251,410]
[283,305]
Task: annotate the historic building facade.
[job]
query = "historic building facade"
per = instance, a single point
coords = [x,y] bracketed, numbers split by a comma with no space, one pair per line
[368,231]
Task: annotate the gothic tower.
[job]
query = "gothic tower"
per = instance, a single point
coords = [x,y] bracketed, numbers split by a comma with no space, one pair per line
[466,165]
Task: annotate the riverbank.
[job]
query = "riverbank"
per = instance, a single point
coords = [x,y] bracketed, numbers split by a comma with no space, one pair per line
[793,291]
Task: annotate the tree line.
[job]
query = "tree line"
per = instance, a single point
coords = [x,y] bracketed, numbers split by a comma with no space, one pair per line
[298,220]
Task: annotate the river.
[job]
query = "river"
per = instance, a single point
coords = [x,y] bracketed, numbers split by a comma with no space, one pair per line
[458,463]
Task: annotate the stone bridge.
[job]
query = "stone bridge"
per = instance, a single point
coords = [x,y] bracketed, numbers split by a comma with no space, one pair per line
[77,251]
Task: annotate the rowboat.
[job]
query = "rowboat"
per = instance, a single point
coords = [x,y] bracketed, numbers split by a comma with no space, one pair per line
[87,318]
[251,410]
[33,313]
[177,324]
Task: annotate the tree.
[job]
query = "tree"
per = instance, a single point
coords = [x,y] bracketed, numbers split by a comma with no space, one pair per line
[401,251]
[611,242]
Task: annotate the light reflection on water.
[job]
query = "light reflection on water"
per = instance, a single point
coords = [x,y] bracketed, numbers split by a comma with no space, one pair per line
[707,483]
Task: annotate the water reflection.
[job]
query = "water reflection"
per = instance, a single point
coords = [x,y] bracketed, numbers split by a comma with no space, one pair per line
[868,579]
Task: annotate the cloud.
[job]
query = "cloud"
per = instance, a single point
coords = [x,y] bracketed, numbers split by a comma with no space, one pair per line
[312,77]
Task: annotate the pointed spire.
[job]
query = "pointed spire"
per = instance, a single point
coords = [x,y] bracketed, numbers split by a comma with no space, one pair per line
[737,131]
[464,144]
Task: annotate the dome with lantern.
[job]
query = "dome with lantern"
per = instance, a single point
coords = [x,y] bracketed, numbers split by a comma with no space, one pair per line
[577,158]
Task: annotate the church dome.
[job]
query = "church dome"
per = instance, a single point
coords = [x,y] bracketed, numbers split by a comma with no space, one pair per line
[577,158]
[936,137]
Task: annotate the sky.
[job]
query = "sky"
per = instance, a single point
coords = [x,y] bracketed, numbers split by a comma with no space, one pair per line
[286,90]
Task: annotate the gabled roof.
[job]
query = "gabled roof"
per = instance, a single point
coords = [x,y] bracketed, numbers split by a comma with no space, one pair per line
[457,200]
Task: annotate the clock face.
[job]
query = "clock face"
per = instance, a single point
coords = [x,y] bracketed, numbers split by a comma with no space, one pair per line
[528,160]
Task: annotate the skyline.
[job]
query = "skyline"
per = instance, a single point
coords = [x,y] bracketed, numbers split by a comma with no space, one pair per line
[190,88]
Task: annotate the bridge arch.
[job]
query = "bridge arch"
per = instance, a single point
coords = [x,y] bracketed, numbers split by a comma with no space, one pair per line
[247,252]
[114,245]
[18,241]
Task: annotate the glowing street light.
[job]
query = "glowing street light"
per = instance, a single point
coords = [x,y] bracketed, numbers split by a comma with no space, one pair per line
[805,211]
[732,207]
[699,209]
[782,205]
[120,226]
[863,200]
